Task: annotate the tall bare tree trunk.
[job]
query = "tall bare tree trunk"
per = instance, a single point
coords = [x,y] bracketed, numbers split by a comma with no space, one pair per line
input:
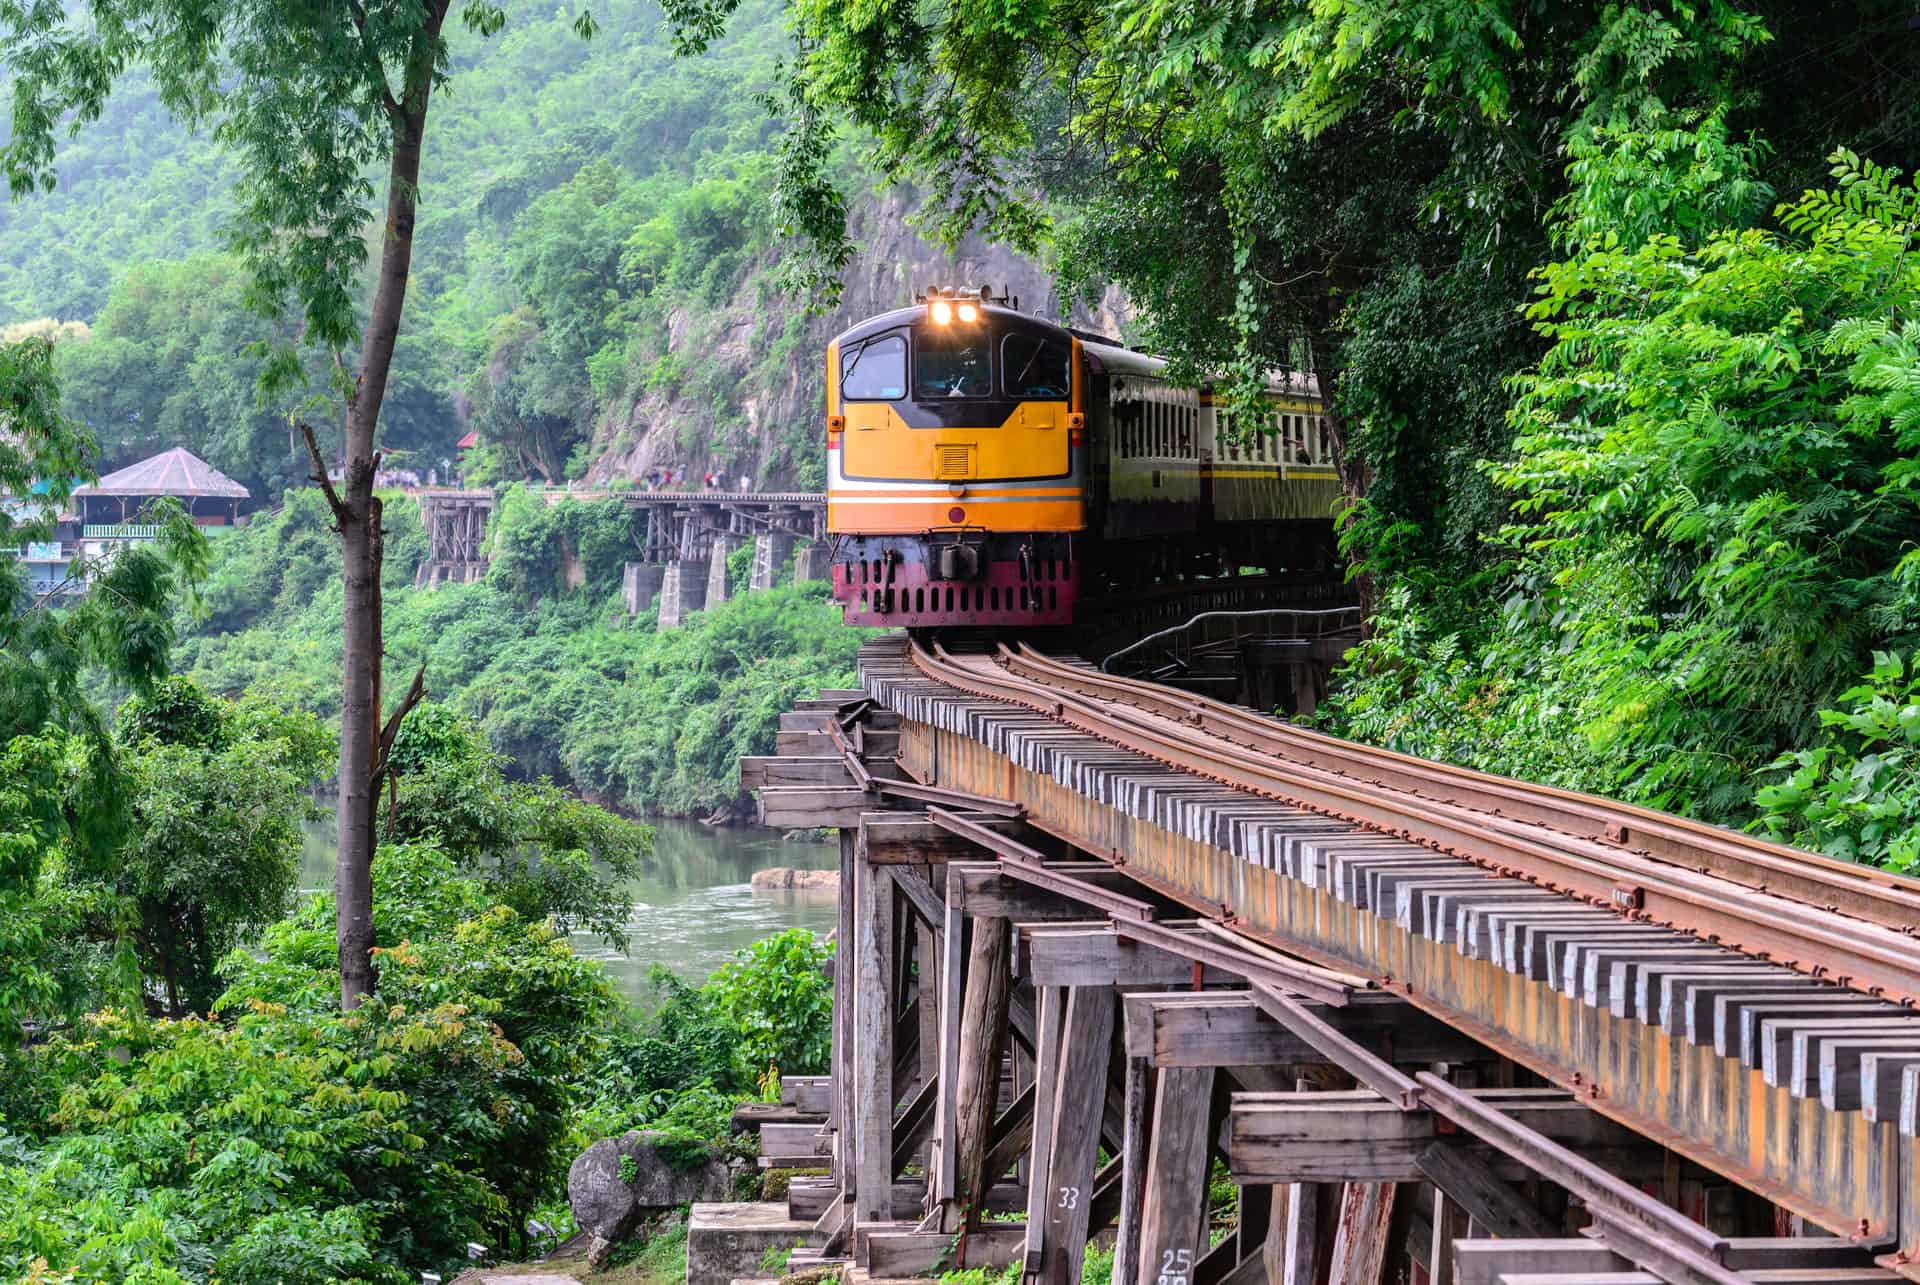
[363,744]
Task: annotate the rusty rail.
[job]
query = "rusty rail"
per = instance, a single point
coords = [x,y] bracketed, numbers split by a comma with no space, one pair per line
[1819,916]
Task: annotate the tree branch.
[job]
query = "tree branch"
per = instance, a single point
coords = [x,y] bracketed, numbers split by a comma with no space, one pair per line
[416,692]
[340,513]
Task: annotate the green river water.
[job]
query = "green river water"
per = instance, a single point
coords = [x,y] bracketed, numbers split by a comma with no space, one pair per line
[693,907]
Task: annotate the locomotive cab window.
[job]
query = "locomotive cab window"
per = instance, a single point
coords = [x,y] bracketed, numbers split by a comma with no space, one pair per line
[1034,367]
[949,361]
[875,370]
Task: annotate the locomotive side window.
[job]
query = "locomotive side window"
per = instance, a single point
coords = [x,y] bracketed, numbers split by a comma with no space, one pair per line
[1034,367]
[950,362]
[875,370]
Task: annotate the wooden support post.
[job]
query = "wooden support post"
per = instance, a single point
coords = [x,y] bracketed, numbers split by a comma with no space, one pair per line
[1136,1108]
[1361,1237]
[1302,1251]
[873,1046]
[1255,1204]
[983,1027]
[841,1110]
[1050,1007]
[1449,1225]
[1172,1234]
[926,955]
[1060,1194]
[943,1191]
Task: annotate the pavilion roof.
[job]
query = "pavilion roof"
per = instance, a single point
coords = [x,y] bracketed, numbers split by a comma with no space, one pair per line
[175,472]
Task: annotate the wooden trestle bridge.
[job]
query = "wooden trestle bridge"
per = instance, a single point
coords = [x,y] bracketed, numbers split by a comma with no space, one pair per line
[681,541]
[1099,941]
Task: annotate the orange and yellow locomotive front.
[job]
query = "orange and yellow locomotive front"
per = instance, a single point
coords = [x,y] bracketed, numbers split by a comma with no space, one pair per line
[956,467]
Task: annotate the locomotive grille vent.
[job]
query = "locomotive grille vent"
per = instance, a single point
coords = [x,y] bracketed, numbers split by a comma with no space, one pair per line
[952,461]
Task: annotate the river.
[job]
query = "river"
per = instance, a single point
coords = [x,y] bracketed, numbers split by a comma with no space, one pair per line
[692,907]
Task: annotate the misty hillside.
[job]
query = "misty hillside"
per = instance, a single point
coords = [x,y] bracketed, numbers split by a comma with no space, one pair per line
[593,284]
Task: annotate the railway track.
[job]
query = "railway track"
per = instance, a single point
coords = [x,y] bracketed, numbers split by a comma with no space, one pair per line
[1850,925]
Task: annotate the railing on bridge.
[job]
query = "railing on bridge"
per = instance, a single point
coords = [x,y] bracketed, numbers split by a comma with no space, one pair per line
[1242,654]
[684,540]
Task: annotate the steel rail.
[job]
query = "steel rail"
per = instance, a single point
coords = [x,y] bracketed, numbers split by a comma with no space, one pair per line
[1862,892]
[1814,939]
[1658,1239]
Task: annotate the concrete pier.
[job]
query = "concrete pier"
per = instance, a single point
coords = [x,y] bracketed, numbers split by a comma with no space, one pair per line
[770,550]
[639,584]
[810,562]
[717,571]
[683,591]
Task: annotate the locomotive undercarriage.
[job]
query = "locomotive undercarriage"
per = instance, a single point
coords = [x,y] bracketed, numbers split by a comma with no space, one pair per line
[957,577]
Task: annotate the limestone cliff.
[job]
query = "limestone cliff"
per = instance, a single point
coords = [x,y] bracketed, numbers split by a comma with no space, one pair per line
[743,385]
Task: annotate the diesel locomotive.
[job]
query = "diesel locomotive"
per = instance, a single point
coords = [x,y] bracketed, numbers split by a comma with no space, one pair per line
[989,468]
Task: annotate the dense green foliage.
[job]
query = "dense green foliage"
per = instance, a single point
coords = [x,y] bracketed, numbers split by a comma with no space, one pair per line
[217,793]
[557,679]
[1712,522]
[578,194]
[1625,449]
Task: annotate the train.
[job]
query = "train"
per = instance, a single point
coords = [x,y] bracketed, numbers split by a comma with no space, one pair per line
[988,468]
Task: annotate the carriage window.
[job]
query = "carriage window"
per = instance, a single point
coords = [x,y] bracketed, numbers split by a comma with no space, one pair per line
[951,362]
[875,370]
[1034,367]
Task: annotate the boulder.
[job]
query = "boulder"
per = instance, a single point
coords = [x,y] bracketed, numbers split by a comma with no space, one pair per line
[608,1205]
[785,879]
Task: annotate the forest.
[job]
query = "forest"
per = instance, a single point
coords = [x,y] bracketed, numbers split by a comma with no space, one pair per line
[1613,304]
[558,680]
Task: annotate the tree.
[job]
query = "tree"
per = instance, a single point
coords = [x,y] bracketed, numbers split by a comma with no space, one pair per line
[313,100]
[63,804]
[217,795]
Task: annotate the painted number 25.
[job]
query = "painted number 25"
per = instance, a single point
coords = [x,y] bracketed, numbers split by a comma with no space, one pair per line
[1175,1266]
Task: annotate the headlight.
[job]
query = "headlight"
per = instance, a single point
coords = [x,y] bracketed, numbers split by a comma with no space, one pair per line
[969,313]
[942,312]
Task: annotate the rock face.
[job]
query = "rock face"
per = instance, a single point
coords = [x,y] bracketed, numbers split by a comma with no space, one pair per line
[767,362]
[785,878]
[608,1205]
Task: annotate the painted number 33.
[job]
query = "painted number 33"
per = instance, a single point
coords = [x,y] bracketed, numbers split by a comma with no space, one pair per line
[1175,1266]
[1069,1197]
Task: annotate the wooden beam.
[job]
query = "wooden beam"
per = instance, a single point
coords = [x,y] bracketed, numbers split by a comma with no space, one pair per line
[874,746]
[1012,1134]
[913,883]
[809,1093]
[1491,1203]
[1093,955]
[985,889]
[812,809]
[873,1044]
[758,772]
[915,1125]
[907,838]
[1226,1028]
[1358,1137]
[893,1255]
[1172,1235]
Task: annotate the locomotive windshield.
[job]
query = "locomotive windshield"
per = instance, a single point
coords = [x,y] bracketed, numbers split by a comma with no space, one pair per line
[876,370]
[951,362]
[1034,367]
